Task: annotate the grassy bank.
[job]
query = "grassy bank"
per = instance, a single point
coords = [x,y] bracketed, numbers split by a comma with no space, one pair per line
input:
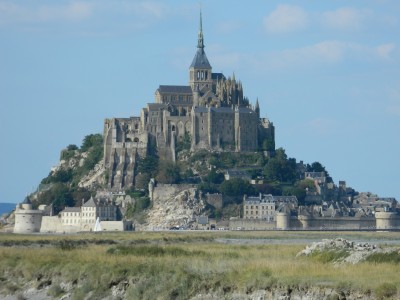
[178,265]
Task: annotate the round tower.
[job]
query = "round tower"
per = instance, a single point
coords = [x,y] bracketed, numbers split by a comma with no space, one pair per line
[283,220]
[27,220]
[386,220]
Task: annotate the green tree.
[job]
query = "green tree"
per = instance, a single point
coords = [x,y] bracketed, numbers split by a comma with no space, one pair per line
[268,144]
[59,195]
[168,172]
[296,191]
[184,142]
[92,140]
[305,184]
[317,167]
[214,177]
[148,165]
[72,147]
[142,181]
[236,187]
[280,167]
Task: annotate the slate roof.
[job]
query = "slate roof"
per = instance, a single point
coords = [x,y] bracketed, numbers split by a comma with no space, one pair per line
[155,106]
[72,209]
[216,76]
[200,60]
[178,89]
[90,203]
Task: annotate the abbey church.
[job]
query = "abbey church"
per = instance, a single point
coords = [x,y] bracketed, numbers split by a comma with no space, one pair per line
[211,110]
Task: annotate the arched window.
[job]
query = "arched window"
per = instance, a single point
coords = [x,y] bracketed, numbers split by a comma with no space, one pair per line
[206,75]
[173,128]
[198,74]
[136,126]
[136,140]
[202,75]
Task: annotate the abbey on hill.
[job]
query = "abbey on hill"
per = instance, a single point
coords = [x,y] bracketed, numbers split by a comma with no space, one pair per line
[211,110]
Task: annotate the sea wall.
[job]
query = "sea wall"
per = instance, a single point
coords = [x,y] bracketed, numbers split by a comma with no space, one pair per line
[243,224]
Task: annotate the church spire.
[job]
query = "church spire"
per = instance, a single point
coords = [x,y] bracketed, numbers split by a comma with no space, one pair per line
[200,38]
[257,108]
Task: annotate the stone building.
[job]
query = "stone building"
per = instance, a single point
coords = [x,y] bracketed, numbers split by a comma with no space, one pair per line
[211,109]
[75,219]
[261,207]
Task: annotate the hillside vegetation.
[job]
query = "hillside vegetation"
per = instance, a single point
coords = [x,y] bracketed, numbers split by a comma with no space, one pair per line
[64,185]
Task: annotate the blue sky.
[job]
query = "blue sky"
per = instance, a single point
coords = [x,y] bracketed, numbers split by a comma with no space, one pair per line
[326,73]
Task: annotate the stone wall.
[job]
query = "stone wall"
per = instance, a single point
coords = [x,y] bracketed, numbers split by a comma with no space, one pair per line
[242,224]
[116,225]
[54,225]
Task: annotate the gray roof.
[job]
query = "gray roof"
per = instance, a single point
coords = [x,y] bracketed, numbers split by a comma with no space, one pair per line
[216,76]
[200,60]
[72,209]
[245,110]
[201,109]
[90,203]
[156,106]
[178,89]
[223,109]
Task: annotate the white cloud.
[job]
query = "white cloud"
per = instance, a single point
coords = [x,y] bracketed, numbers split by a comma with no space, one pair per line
[346,18]
[286,18]
[322,53]
[385,51]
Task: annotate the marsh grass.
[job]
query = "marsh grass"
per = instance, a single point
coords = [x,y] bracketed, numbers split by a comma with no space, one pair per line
[328,256]
[391,257]
[178,266]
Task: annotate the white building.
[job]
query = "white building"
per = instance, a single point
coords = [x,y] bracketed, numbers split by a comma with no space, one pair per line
[261,207]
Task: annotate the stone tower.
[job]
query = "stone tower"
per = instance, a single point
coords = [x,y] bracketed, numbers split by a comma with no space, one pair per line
[200,71]
[27,219]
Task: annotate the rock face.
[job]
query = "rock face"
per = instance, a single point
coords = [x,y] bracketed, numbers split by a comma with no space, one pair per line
[353,253]
[173,205]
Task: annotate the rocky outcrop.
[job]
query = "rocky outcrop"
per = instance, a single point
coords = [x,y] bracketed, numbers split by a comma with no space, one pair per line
[173,205]
[351,252]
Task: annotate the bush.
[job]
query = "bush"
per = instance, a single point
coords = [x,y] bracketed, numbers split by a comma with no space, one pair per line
[237,187]
[392,257]
[168,172]
[386,291]
[329,256]
[92,140]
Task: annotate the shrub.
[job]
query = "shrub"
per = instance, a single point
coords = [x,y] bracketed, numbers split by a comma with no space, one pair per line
[329,256]
[386,291]
[391,257]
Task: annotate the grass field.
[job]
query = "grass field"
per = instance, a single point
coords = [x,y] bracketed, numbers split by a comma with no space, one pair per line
[166,265]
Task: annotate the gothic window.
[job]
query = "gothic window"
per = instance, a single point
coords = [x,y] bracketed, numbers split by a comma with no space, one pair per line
[136,126]
[202,75]
[173,127]
[206,75]
[136,140]
[198,74]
